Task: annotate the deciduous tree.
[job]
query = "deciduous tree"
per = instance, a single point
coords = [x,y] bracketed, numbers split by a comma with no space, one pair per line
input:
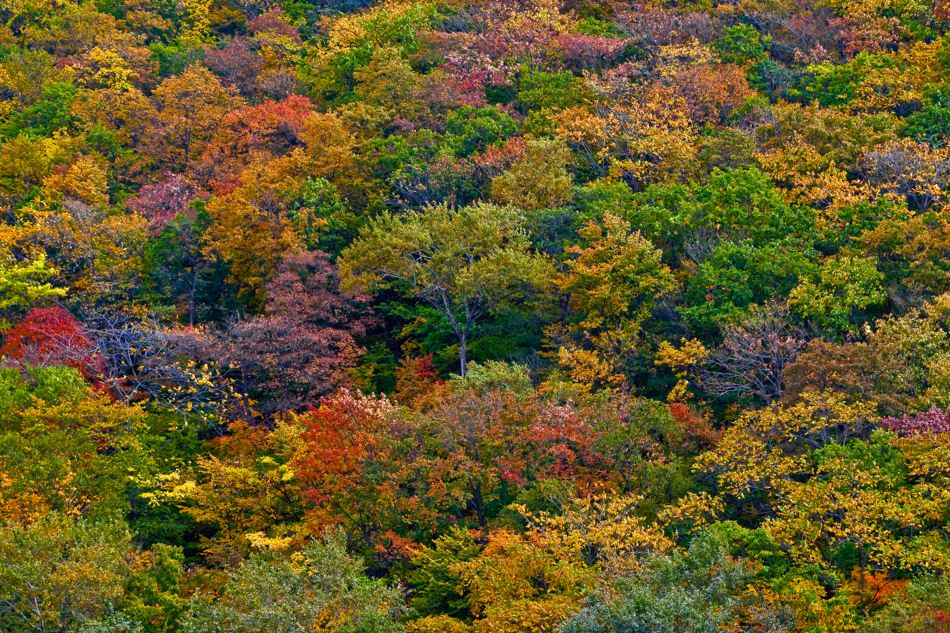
[464,262]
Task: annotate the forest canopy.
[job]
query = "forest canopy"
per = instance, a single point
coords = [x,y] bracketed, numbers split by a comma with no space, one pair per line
[474,316]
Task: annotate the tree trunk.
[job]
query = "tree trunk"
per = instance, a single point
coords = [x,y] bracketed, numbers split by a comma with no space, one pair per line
[478,503]
[463,354]
[192,294]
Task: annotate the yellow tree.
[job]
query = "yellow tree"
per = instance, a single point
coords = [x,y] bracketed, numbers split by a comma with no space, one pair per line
[190,107]
[601,530]
[245,490]
[766,449]
[538,180]
[94,247]
[613,282]
[24,283]
[648,139]
[517,586]
[828,490]
[251,229]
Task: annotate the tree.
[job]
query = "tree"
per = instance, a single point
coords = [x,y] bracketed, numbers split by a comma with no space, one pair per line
[869,507]
[913,251]
[613,282]
[714,93]
[742,44]
[599,530]
[302,346]
[739,275]
[745,204]
[50,336]
[932,122]
[845,286]
[643,446]
[94,247]
[436,580]
[347,460]
[250,135]
[518,586]
[909,169]
[493,443]
[68,454]
[831,491]
[60,572]
[460,458]
[934,421]
[190,108]
[900,366]
[153,592]
[473,130]
[752,356]
[322,588]
[24,283]
[138,360]
[181,273]
[244,495]
[923,607]
[237,63]
[388,82]
[251,231]
[464,262]
[703,589]
[765,448]
[161,202]
[539,180]
[647,141]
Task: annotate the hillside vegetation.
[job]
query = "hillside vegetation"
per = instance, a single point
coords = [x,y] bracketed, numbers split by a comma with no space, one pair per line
[474,316]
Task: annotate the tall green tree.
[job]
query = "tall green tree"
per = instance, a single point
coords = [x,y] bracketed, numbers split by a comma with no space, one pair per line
[465,262]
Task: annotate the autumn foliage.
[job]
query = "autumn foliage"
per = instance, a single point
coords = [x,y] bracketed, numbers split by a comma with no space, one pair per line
[474,316]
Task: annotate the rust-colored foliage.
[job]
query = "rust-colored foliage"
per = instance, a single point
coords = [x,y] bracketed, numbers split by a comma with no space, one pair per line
[50,336]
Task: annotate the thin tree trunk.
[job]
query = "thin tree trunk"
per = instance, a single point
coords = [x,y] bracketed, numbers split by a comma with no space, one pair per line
[192,293]
[463,340]
[479,505]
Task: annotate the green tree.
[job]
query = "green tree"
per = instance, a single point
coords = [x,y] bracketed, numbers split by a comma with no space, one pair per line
[437,579]
[745,203]
[470,130]
[701,590]
[465,262]
[844,287]
[321,588]
[739,275]
[60,572]
[932,122]
[23,284]
[539,89]
[742,44]
[152,593]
